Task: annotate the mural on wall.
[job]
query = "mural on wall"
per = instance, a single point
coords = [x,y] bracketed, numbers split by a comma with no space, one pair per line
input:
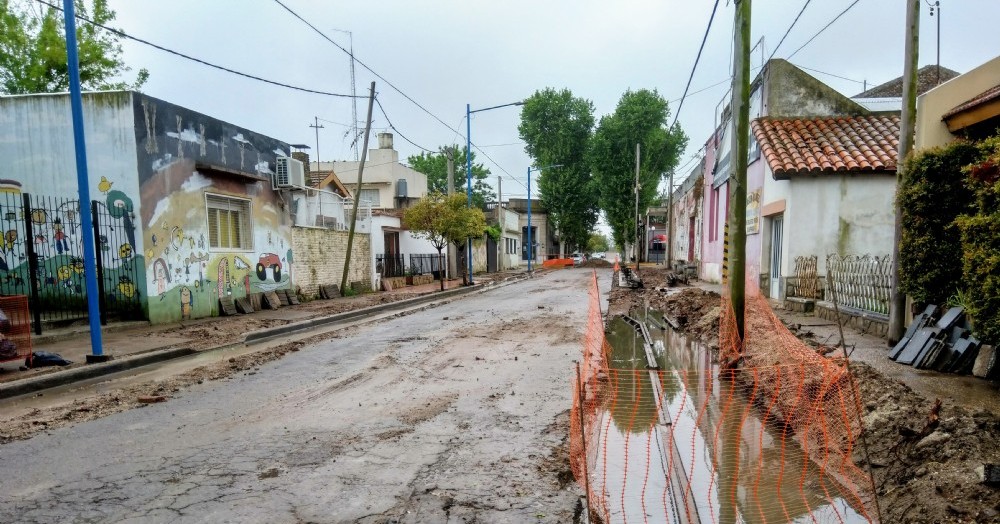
[57,244]
[190,268]
[39,155]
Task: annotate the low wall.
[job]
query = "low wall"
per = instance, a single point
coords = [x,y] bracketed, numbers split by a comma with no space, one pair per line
[320,256]
[862,321]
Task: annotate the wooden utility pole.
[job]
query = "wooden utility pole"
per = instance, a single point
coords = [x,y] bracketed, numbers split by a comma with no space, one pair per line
[452,263]
[638,249]
[897,305]
[357,194]
[740,108]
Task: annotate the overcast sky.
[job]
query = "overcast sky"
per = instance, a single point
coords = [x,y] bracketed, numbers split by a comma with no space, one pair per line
[445,54]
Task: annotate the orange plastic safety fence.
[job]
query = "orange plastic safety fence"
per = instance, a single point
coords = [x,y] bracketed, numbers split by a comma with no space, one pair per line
[769,441]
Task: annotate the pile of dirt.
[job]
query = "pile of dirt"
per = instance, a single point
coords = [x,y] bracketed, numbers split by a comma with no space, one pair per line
[596,262]
[694,311]
[925,455]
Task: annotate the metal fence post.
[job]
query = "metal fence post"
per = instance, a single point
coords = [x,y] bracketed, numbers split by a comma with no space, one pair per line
[95,217]
[29,249]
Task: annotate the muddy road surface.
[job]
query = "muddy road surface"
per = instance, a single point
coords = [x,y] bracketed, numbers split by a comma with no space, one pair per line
[451,414]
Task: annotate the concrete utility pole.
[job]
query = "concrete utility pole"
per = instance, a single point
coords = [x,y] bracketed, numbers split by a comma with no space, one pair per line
[670,222]
[897,305]
[452,263]
[740,107]
[357,193]
[637,248]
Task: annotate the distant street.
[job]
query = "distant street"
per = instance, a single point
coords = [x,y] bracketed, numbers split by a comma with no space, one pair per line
[448,414]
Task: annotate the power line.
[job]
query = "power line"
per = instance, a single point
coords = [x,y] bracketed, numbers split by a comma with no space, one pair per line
[398,132]
[804,6]
[362,64]
[198,60]
[696,60]
[854,3]
[829,74]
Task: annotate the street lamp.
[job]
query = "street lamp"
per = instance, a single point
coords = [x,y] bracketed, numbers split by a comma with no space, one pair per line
[530,247]
[468,166]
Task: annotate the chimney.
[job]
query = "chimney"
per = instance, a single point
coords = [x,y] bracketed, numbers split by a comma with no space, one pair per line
[385,140]
[304,158]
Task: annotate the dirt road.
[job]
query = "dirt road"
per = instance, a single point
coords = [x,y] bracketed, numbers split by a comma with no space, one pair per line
[450,414]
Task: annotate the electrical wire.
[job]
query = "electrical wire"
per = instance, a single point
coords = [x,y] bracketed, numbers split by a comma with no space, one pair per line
[397,131]
[695,66]
[804,6]
[125,35]
[829,74]
[854,3]
[364,65]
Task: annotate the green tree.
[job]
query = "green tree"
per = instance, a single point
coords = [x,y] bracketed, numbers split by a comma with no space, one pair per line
[597,243]
[641,117]
[557,128]
[435,166]
[33,49]
[442,219]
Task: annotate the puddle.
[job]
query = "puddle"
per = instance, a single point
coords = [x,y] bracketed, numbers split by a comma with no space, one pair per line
[713,461]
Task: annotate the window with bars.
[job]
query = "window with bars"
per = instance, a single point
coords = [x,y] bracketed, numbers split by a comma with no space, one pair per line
[229,225]
[370,196]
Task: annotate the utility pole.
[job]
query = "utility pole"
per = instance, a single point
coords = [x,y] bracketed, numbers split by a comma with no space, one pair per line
[83,188]
[635,250]
[500,220]
[897,305]
[450,154]
[738,181]
[317,126]
[936,9]
[354,213]
[670,222]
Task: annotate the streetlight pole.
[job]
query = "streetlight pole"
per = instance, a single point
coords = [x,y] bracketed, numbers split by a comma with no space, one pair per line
[468,167]
[530,248]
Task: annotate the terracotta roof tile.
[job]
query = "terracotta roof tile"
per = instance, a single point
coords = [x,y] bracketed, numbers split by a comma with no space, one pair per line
[828,145]
[986,96]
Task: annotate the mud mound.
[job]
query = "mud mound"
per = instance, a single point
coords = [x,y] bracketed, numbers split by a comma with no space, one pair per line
[596,262]
[925,455]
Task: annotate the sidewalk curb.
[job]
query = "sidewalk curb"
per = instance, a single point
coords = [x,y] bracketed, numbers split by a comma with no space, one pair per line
[60,378]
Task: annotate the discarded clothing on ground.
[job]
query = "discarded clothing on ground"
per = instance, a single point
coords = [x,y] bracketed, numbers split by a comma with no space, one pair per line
[41,359]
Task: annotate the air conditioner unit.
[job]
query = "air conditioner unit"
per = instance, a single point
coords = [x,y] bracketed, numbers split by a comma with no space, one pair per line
[288,172]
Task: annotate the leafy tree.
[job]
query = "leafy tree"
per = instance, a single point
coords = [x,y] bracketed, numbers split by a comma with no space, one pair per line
[557,128]
[640,117]
[435,166]
[442,219]
[33,49]
[597,243]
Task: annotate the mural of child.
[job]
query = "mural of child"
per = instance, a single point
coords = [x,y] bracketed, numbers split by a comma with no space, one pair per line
[59,235]
[187,303]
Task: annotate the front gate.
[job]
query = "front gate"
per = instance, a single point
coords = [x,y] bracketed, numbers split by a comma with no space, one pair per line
[41,256]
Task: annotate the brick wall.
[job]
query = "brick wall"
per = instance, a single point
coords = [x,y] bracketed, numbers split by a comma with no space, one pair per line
[319,258]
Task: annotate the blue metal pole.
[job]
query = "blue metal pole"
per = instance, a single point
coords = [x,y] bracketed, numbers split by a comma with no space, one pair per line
[530,247]
[468,178]
[83,183]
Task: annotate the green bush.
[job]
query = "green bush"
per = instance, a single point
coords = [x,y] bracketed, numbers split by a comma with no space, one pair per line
[932,195]
[981,243]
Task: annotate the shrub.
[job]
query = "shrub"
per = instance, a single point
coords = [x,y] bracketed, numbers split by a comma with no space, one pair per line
[981,243]
[932,195]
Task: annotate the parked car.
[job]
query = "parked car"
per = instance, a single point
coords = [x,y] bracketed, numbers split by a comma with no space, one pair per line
[577,259]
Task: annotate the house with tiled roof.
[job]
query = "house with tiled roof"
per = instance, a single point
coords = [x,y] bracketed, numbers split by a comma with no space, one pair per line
[967,106]
[820,178]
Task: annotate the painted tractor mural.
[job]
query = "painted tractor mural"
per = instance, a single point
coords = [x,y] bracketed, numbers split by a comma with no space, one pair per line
[269,260]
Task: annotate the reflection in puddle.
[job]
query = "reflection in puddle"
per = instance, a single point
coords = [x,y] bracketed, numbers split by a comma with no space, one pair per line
[708,457]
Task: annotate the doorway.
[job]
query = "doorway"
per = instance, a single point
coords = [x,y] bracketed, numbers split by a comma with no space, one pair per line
[776,236]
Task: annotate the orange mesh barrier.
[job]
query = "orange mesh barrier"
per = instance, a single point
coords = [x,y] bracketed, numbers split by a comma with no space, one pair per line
[15,328]
[558,262]
[687,441]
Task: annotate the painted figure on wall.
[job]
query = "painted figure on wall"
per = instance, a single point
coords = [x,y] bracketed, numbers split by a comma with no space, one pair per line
[59,236]
[223,278]
[187,303]
[162,276]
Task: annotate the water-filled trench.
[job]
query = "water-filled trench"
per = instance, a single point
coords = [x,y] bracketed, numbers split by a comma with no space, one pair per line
[684,445]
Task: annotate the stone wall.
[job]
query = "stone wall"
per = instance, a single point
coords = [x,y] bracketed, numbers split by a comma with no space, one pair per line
[320,255]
